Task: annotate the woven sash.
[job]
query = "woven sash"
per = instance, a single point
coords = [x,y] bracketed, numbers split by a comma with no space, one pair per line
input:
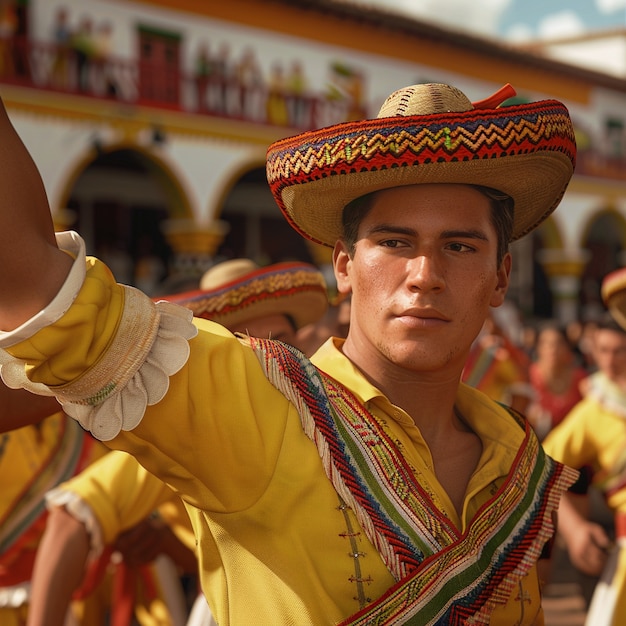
[443,577]
[479,368]
[61,465]
[24,520]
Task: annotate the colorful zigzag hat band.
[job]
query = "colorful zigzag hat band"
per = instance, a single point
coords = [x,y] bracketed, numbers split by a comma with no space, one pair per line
[238,290]
[427,133]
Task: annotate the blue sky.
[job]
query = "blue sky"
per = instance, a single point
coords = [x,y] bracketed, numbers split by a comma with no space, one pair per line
[515,20]
[554,16]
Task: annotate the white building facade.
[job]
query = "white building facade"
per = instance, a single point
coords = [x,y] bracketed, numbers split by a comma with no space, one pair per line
[156,153]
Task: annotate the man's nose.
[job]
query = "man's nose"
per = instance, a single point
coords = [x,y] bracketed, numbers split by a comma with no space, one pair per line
[425,273]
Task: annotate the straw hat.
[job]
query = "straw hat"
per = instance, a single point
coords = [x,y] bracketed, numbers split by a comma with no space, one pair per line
[613,293]
[427,133]
[239,290]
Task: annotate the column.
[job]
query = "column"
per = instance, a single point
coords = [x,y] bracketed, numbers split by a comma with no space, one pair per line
[194,246]
[564,270]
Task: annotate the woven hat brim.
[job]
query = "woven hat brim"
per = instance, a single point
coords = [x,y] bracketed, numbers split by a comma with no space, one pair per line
[527,151]
[614,295]
[293,289]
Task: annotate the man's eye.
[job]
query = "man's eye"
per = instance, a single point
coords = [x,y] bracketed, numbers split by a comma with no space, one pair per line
[459,247]
[390,243]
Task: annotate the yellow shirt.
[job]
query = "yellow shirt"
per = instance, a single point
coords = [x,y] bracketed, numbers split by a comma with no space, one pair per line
[275,546]
[34,459]
[595,435]
[121,493]
[592,435]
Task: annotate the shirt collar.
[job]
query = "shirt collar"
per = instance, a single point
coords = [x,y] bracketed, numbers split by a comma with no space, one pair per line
[331,360]
[490,421]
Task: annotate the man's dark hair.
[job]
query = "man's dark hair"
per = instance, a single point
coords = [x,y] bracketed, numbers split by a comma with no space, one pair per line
[501,218]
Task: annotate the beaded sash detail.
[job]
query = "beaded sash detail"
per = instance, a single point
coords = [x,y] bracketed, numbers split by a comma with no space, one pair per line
[443,576]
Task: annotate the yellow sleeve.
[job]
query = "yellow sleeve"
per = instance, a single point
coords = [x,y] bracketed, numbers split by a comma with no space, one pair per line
[119,491]
[573,441]
[217,432]
[88,327]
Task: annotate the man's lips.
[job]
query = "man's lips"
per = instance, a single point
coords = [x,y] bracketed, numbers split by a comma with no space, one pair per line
[422,317]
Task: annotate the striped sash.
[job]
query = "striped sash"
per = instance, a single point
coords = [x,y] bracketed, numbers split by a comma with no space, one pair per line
[62,463]
[444,577]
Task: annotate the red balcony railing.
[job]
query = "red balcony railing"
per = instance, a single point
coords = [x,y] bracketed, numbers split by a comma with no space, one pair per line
[47,66]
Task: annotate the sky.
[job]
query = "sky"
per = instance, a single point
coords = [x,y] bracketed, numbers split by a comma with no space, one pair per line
[513,20]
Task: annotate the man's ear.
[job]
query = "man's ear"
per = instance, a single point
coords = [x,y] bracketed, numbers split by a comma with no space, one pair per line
[504,278]
[341,266]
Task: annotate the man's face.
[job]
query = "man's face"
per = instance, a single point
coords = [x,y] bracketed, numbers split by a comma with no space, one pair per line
[422,277]
[609,353]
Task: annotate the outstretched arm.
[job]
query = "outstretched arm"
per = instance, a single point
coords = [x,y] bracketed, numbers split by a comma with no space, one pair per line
[64,546]
[33,268]
[20,408]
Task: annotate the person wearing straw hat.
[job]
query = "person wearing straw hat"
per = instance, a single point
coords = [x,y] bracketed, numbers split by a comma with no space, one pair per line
[366,485]
[274,301]
[593,435]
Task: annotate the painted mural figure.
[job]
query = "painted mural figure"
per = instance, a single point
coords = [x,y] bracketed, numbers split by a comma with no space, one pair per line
[83,48]
[62,34]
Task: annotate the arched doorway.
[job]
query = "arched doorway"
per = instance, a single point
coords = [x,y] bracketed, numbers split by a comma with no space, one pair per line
[530,288]
[604,239]
[119,202]
[258,229]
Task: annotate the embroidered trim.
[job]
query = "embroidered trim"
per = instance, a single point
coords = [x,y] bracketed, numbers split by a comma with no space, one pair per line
[459,582]
[151,344]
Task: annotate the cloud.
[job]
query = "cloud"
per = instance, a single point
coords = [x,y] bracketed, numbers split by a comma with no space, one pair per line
[610,6]
[561,24]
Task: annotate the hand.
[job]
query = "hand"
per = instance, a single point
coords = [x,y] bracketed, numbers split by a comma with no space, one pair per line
[142,543]
[150,538]
[588,548]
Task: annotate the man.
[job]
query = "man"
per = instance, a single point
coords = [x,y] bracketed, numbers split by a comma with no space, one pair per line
[593,435]
[365,485]
[110,505]
[334,323]
[274,302]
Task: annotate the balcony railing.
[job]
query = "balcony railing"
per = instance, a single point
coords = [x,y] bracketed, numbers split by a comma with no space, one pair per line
[49,67]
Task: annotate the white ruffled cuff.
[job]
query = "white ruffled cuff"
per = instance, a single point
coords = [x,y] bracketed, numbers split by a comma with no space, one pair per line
[150,345]
[70,242]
